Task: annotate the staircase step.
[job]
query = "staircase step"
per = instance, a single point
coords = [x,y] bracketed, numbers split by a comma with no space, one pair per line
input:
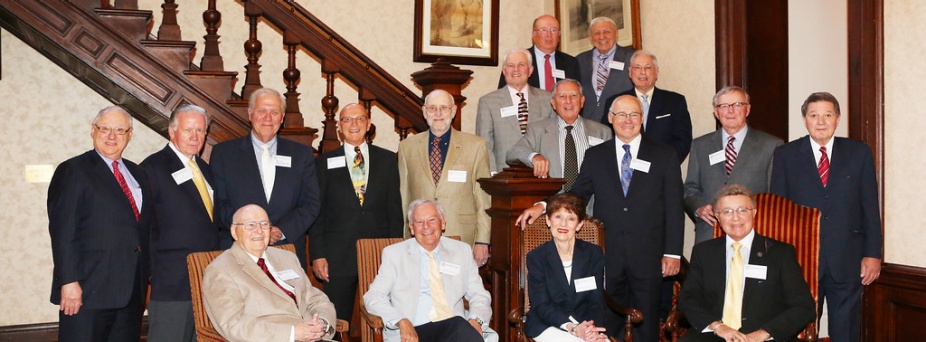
[240,107]
[132,24]
[175,54]
[218,84]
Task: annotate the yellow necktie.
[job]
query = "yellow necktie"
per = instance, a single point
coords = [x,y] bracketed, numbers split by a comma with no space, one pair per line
[733,301]
[440,310]
[201,186]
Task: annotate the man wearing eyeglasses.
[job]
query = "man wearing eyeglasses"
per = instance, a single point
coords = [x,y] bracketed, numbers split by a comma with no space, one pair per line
[99,216]
[359,186]
[744,286]
[255,293]
[549,65]
[443,164]
[604,68]
[735,153]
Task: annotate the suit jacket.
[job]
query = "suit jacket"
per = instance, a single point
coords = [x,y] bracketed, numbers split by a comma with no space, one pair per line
[502,133]
[393,295]
[564,61]
[464,203]
[294,203]
[182,224]
[95,238]
[850,221]
[543,137]
[343,221]
[618,81]
[781,303]
[668,120]
[753,169]
[553,299]
[245,305]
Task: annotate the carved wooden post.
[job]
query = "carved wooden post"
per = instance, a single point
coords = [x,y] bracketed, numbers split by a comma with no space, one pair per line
[442,75]
[252,47]
[169,29]
[366,99]
[293,123]
[212,58]
[329,103]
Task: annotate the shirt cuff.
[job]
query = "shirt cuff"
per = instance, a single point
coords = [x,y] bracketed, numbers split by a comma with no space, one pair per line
[673,256]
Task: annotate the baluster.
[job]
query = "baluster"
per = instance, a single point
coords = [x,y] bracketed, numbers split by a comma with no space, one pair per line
[329,104]
[212,58]
[252,47]
[293,118]
[169,29]
[366,99]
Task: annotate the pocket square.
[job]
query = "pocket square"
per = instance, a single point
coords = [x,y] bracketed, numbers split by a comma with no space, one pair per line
[663,116]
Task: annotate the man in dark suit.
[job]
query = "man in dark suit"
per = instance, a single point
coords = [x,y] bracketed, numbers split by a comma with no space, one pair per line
[99,212]
[182,193]
[637,185]
[603,69]
[744,286]
[665,113]
[272,172]
[837,176]
[550,66]
[749,157]
[359,185]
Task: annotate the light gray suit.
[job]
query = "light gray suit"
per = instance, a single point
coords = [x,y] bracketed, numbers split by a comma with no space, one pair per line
[753,169]
[500,132]
[543,137]
[393,295]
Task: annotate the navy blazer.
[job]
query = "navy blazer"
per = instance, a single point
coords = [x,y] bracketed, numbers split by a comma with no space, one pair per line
[668,121]
[95,238]
[850,221]
[182,224]
[552,298]
[564,61]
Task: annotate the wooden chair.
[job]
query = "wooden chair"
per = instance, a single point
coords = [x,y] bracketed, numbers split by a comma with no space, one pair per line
[205,332]
[535,235]
[674,327]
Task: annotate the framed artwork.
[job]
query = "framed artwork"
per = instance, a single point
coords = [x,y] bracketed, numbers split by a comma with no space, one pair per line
[459,31]
[575,17]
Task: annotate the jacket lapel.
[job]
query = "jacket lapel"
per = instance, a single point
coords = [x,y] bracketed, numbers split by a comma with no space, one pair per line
[249,267]
[756,257]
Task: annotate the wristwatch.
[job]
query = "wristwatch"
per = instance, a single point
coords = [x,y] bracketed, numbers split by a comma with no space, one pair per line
[478,320]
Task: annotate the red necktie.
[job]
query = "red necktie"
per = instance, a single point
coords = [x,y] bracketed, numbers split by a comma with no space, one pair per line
[824,166]
[125,188]
[548,73]
[263,267]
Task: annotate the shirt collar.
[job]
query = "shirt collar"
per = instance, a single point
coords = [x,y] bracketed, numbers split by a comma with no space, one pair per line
[179,154]
[259,144]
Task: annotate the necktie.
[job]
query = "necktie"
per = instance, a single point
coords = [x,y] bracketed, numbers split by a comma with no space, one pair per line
[730,155]
[440,310]
[645,104]
[602,74]
[201,186]
[357,175]
[626,171]
[733,301]
[268,169]
[548,74]
[263,267]
[571,162]
[125,188]
[435,160]
[522,113]
[824,166]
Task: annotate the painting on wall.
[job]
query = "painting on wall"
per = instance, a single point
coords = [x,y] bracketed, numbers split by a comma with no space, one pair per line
[575,17]
[460,31]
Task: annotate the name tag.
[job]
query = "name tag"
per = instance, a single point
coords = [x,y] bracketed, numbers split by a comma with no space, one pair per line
[336,162]
[592,141]
[182,175]
[509,111]
[586,284]
[639,165]
[559,73]
[283,161]
[616,65]
[449,268]
[755,271]
[288,275]
[717,157]
[456,176]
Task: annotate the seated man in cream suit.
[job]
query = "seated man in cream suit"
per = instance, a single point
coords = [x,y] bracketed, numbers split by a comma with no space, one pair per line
[253,293]
[443,272]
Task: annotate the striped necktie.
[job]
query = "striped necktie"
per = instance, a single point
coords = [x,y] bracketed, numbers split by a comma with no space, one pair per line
[730,154]
[522,113]
[823,168]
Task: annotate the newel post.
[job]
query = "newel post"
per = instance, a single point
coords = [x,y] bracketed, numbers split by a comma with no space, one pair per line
[450,78]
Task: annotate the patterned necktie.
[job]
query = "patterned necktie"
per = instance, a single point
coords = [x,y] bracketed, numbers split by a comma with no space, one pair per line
[602,74]
[626,171]
[824,166]
[440,309]
[733,301]
[268,170]
[645,104]
[571,162]
[357,175]
[435,160]
[548,74]
[522,113]
[730,155]
[263,267]
[125,188]
[201,186]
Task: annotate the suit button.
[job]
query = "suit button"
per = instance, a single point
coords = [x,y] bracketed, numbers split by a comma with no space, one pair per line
[827,217]
[625,209]
[137,249]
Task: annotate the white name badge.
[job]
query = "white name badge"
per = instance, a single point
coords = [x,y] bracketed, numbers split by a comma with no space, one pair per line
[639,165]
[717,157]
[755,271]
[592,141]
[288,275]
[336,162]
[456,176]
[559,73]
[586,284]
[509,111]
[616,65]
[283,161]
[182,175]
[449,268]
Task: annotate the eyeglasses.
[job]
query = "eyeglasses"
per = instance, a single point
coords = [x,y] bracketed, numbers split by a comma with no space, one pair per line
[625,115]
[728,213]
[358,119]
[737,105]
[434,109]
[638,68]
[550,30]
[118,131]
[252,225]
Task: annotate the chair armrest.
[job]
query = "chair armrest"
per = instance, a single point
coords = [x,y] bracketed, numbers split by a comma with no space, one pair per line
[673,321]
[342,327]
[517,317]
[372,320]
[809,334]
[633,315]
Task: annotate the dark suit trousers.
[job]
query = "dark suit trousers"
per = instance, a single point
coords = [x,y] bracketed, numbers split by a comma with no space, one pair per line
[639,291]
[843,310]
[342,291]
[112,325]
[455,329]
